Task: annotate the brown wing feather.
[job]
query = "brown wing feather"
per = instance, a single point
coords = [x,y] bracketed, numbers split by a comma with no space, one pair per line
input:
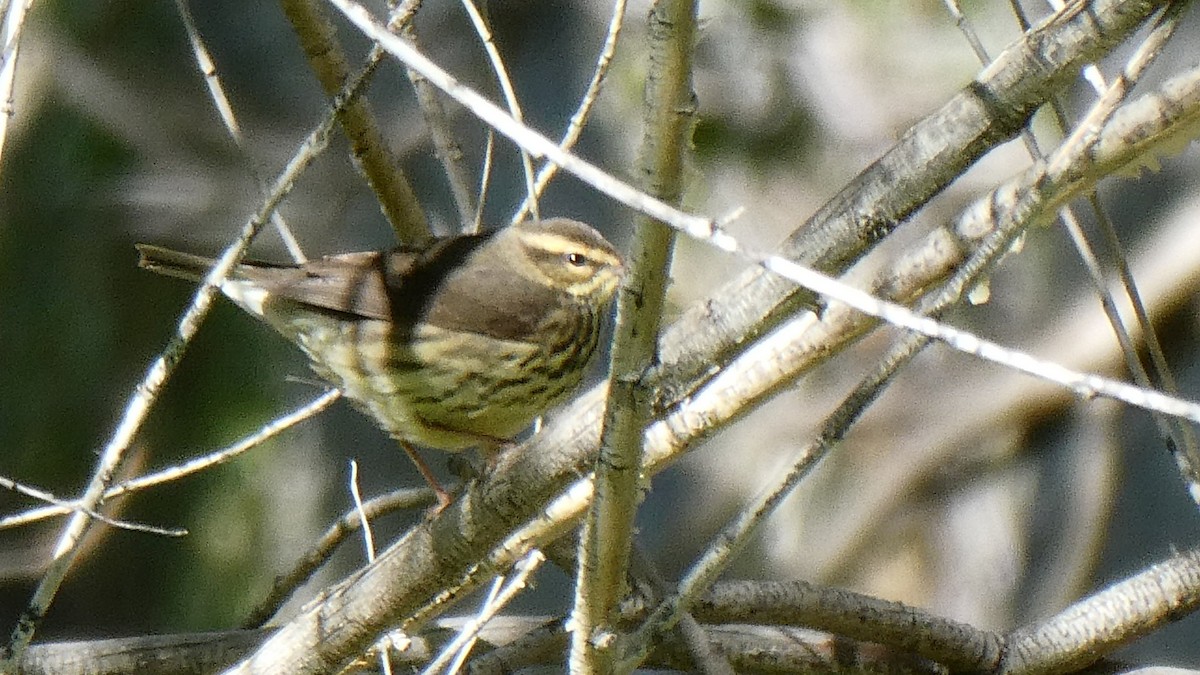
[405,287]
[351,283]
[459,286]
[493,302]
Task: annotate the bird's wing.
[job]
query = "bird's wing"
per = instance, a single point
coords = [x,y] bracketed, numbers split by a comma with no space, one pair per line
[491,300]
[351,283]
[405,286]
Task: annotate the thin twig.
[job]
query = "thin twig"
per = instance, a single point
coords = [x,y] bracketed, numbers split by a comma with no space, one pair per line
[510,95]
[320,552]
[485,180]
[262,435]
[364,522]
[535,143]
[1178,436]
[463,648]
[385,662]
[461,643]
[216,93]
[174,473]
[693,635]
[446,144]
[67,506]
[587,102]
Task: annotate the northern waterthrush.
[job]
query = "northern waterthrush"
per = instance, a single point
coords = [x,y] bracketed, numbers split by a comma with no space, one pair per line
[458,344]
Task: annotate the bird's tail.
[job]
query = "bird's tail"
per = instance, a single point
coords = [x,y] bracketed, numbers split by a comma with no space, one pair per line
[173,263]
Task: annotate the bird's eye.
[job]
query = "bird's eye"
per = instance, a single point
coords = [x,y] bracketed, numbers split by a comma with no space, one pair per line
[576,259]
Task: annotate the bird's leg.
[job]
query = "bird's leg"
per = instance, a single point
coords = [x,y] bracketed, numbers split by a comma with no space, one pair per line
[443,497]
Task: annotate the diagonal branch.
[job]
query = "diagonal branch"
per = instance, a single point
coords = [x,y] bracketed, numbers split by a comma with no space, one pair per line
[371,154]
[988,111]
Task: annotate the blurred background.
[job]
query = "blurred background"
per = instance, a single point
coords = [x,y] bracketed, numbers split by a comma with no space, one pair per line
[981,495]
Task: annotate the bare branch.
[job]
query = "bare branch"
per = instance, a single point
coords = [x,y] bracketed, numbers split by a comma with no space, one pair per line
[608,528]
[371,153]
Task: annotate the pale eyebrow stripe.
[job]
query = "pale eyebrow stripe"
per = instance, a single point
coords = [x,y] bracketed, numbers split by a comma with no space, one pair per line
[556,243]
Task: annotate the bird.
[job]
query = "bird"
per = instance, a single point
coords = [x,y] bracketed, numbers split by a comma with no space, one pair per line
[457,344]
